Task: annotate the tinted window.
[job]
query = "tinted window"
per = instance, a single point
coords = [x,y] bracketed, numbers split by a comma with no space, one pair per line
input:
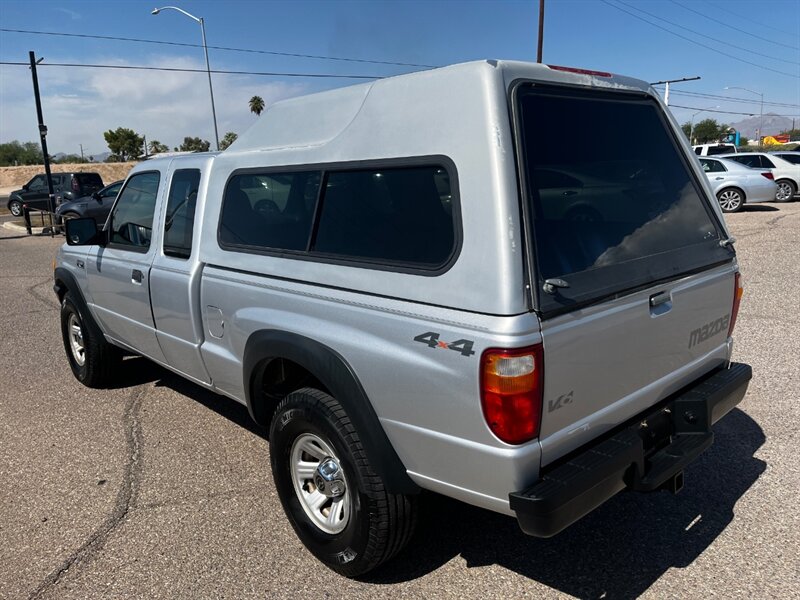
[89,182]
[112,190]
[792,158]
[698,150]
[37,183]
[638,214]
[388,214]
[749,160]
[131,221]
[712,150]
[179,222]
[269,210]
[767,163]
[712,166]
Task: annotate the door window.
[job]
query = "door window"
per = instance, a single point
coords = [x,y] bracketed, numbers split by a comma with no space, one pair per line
[131,222]
[179,223]
[37,184]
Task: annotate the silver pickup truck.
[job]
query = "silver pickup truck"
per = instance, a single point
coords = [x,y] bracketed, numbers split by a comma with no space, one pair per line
[425,282]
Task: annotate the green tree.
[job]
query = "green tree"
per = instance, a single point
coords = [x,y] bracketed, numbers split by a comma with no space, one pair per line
[194,144]
[687,130]
[257,105]
[155,147]
[229,138]
[124,143]
[16,153]
[708,131]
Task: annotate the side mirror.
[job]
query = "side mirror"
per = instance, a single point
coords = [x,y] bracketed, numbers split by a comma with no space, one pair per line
[25,187]
[82,232]
[97,196]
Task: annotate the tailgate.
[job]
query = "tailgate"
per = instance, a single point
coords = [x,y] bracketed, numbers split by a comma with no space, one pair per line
[633,272]
[605,364]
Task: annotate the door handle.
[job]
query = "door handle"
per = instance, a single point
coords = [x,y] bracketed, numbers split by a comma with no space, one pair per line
[719,178]
[658,299]
[137,277]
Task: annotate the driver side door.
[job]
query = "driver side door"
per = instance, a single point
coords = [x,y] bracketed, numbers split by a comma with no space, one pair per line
[118,273]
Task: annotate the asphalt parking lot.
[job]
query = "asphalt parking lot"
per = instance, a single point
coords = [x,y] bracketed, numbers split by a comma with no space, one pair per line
[159,489]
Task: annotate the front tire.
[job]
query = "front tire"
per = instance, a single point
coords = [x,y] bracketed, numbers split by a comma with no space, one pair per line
[91,358]
[15,206]
[730,200]
[335,502]
[786,190]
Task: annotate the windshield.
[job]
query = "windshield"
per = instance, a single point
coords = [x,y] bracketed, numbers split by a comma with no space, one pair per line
[619,213]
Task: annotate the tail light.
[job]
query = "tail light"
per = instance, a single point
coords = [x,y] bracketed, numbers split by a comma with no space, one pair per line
[75,185]
[768,175]
[738,292]
[511,392]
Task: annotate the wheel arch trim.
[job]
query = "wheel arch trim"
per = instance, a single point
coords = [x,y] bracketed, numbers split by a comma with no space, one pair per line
[334,372]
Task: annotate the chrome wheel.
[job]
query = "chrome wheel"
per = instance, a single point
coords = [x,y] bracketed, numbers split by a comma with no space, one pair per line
[784,192]
[76,339]
[320,483]
[730,200]
[15,208]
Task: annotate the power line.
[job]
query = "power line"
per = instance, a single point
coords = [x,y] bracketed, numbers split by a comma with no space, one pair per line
[750,19]
[697,12]
[734,99]
[690,40]
[728,112]
[185,70]
[704,35]
[225,48]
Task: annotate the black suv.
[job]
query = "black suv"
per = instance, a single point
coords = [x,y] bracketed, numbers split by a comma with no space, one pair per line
[66,186]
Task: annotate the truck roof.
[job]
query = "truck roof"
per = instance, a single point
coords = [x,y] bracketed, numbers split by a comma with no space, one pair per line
[316,119]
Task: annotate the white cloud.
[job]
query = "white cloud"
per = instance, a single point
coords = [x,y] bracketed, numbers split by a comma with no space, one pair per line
[79,104]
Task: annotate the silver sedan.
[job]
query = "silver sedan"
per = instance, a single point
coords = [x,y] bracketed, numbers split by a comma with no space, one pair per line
[735,184]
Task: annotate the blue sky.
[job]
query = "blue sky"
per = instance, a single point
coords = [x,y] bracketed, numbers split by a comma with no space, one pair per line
[79,104]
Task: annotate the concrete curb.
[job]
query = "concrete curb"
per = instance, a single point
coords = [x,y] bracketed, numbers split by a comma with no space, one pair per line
[20,229]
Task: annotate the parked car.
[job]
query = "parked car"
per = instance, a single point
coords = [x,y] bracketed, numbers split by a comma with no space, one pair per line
[96,205]
[792,156]
[787,175]
[66,186]
[403,314]
[734,184]
[713,149]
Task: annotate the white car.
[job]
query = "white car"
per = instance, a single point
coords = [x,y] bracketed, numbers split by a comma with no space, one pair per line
[714,149]
[787,175]
[734,184]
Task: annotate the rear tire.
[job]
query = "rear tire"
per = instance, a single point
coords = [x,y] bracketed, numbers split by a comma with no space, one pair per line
[348,521]
[730,200]
[786,190]
[91,358]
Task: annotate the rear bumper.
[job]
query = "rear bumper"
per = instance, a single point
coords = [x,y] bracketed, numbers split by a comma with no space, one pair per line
[647,455]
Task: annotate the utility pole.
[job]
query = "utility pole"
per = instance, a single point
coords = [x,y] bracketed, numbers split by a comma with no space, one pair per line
[81,145]
[144,141]
[541,31]
[43,135]
[668,81]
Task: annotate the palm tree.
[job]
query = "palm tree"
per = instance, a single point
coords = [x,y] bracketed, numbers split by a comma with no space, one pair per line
[256,105]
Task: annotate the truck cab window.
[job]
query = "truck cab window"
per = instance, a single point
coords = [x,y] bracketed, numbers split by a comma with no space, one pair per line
[131,222]
[179,222]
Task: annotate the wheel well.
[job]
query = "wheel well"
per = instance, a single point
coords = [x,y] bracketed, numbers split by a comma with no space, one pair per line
[274,379]
[786,180]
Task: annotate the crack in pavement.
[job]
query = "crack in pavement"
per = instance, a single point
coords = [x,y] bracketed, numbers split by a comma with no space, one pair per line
[122,505]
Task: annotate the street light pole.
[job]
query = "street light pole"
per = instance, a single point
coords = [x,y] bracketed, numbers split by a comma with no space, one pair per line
[200,20]
[761,112]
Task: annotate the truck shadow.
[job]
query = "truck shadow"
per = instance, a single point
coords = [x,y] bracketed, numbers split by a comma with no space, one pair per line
[618,551]
[759,208]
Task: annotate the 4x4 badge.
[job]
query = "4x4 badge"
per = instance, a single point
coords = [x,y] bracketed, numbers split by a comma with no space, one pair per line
[431,339]
[560,402]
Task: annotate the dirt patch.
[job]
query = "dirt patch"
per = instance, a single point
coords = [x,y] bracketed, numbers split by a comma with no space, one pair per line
[110,172]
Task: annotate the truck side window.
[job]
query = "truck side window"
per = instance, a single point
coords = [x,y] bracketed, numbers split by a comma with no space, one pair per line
[179,222]
[398,215]
[269,210]
[131,221]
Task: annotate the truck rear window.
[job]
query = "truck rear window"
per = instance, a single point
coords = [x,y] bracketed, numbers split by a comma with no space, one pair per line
[616,214]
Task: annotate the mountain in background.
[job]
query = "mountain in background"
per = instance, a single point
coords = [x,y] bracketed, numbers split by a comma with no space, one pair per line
[773,124]
[98,158]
